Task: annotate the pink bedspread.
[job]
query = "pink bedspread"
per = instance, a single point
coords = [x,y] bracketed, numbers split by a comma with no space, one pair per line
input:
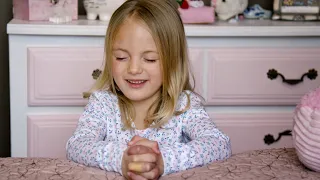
[275,164]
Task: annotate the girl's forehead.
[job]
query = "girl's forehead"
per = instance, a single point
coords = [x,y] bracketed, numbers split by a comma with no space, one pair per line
[133,22]
[132,33]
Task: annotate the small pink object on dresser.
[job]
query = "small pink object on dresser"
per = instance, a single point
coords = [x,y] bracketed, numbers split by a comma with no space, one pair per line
[42,10]
[306,130]
[199,15]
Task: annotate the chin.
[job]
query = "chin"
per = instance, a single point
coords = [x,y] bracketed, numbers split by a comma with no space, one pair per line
[135,96]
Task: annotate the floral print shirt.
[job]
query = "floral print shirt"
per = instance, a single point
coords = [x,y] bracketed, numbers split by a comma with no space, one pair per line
[188,140]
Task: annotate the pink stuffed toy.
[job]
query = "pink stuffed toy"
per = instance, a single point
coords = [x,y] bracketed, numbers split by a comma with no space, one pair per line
[306,130]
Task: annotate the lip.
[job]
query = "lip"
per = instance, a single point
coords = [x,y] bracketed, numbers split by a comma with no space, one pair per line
[136,85]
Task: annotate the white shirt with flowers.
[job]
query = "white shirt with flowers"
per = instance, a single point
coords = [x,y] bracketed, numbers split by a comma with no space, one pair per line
[188,140]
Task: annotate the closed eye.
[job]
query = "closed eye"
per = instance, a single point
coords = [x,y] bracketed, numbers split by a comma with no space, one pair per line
[151,60]
[120,59]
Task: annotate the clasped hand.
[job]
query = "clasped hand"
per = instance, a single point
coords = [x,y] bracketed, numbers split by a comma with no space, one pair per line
[142,160]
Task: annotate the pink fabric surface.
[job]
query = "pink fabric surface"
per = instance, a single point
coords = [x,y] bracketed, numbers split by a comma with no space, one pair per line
[311,99]
[306,130]
[276,164]
[197,15]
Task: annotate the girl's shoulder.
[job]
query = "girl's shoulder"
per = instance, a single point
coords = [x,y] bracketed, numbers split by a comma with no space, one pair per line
[185,96]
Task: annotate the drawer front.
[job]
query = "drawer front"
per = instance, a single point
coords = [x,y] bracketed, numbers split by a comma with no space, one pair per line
[239,76]
[60,75]
[247,131]
[48,134]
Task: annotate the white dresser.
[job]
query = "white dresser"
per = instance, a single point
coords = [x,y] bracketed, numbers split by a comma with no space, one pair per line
[245,71]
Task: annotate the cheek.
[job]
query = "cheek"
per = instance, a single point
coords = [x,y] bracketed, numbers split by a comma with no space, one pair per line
[116,68]
[157,73]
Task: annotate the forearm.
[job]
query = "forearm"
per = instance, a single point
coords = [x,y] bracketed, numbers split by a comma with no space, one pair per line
[102,154]
[198,152]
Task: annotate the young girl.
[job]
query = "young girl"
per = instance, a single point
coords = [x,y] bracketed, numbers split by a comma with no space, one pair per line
[143,119]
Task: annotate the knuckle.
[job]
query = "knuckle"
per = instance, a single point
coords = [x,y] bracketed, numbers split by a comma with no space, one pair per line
[138,148]
[134,158]
[148,167]
[153,158]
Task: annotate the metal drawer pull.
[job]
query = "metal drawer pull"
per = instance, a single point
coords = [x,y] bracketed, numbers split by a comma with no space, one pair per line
[311,74]
[54,2]
[95,75]
[269,139]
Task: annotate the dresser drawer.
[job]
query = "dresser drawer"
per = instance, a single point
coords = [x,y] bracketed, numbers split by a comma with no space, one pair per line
[247,131]
[261,76]
[252,131]
[48,134]
[60,75]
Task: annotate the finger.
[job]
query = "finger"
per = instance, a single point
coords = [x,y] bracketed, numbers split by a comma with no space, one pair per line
[153,174]
[134,176]
[139,149]
[149,157]
[135,139]
[141,167]
[151,144]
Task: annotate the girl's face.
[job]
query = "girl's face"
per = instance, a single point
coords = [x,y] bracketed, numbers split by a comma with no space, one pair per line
[135,63]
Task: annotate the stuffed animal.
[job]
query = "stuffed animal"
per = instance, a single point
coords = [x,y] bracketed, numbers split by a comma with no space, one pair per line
[227,9]
[306,130]
[102,8]
[60,13]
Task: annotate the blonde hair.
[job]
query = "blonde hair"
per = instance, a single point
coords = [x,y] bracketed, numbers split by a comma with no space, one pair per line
[163,20]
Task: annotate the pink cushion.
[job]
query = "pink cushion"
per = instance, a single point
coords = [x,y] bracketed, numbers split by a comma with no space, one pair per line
[197,15]
[306,130]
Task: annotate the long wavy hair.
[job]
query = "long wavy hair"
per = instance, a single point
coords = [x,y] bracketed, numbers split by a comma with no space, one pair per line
[165,25]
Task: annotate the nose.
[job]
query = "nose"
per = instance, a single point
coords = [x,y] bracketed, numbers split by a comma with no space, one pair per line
[134,66]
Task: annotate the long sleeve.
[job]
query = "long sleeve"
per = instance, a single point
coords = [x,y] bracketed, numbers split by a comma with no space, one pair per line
[205,143]
[87,145]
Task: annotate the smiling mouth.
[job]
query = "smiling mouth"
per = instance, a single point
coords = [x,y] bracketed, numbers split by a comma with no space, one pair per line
[136,84]
[136,81]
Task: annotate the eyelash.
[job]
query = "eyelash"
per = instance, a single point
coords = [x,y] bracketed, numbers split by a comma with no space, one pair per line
[120,59]
[151,60]
[148,60]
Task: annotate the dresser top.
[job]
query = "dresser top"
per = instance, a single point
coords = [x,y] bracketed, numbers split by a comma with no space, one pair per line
[245,28]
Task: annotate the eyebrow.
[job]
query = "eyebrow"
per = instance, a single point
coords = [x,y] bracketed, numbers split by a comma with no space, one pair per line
[120,49]
[145,52]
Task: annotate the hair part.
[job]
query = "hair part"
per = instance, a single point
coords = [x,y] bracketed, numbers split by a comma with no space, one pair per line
[164,24]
